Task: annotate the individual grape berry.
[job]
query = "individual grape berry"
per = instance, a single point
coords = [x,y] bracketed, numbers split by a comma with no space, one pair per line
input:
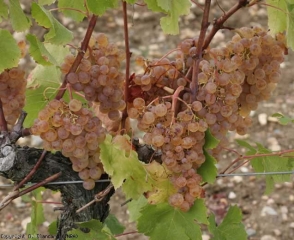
[75,105]
[176,200]
[89,184]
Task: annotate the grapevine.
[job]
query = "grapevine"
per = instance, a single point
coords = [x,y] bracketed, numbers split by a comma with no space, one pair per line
[181,105]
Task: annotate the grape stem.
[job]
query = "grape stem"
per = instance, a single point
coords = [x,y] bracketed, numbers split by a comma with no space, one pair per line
[198,55]
[128,58]
[197,4]
[218,24]
[175,98]
[124,234]
[15,193]
[3,122]
[67,8]
[79,57]
[251,157]
[98,197]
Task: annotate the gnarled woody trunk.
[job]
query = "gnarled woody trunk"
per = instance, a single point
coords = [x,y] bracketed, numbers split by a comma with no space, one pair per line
[16,162]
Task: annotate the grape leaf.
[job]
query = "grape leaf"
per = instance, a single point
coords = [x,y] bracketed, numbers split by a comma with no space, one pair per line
[135,207]
[281,18]
[3,10]
[245,144]
[52,229]
[73,4]
[58,34]
[153,6]
[208,170]
[44,82]
[38,51]
[231,227]
[9,49]
[174,8]
[276,10]
[210,141]
[272,164]
[162,221]
[126,171]
[20,22]
[284,120]
[162,186]
[96,231]
[114,225]
[99,7]
[37,214]
[290,23]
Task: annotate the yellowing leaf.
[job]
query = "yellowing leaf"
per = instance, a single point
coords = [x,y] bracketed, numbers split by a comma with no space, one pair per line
[162,186]
[125,171]
[277,19]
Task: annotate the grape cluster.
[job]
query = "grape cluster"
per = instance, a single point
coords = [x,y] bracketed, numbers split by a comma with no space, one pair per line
[232,80]
[180,140]
[160,78]
[12,93]
[73,130]
[98,76]
[235,78]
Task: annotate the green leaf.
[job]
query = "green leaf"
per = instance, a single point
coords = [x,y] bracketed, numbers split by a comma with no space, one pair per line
[52,229]
[208,170]
[276,10]
[231,228]
[245,144]
[73,4]
[284,120]
[20,22]
[126,171]
[272,164]
[58,34]
[96,231]
[38,51]
[114,225]
[99,7]
[164,222]
[210,141]
[153,6]
[3,10]
[174,8]
[44,83]
[290,24]
[37,214]
[135,207]
[281,18]
[9,49]
[46,2]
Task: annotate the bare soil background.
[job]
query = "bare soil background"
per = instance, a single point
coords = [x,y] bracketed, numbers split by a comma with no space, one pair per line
[265,217]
